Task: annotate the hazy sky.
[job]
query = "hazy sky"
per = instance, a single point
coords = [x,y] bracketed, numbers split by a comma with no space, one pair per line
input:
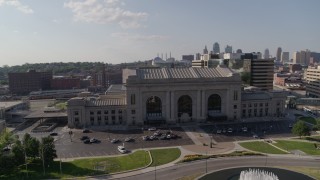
[114,31]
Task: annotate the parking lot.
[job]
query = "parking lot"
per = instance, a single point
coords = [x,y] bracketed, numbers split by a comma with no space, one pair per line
[76,148]
[249,130]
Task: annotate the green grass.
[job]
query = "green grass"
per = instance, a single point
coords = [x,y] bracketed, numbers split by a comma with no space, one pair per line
[310,120]
[262,147]
[312,138]
[61,105]
[164,156]
[306,147]
[84,167]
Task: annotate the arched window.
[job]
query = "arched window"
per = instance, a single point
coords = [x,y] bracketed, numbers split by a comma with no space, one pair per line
[185,105]
[214,104]
[154,106]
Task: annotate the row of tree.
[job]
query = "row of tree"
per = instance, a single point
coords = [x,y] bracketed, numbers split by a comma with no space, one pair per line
[15,152]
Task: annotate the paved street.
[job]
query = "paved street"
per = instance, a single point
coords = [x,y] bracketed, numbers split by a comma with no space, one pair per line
[199,167]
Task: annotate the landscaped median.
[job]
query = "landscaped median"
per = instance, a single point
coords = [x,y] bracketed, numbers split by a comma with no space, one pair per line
[261,146]
[195,157]
[96,166]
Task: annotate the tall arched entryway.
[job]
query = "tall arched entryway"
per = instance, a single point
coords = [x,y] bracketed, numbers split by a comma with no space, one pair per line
[214,108]
[154,110]
[184,108]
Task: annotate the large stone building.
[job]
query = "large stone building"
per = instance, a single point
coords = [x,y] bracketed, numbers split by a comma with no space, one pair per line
[165,96]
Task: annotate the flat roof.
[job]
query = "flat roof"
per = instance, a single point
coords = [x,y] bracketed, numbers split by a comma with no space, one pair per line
[9,104]
[42,114]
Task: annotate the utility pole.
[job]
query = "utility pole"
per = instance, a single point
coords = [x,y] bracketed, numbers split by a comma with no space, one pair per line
[206,162]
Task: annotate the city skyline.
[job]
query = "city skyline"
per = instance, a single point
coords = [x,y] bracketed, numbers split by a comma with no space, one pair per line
[115,31]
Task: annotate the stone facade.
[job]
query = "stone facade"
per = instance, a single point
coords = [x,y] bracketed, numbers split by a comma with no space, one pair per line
[166,96]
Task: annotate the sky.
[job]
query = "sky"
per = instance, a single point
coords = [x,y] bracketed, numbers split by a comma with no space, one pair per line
[116,31]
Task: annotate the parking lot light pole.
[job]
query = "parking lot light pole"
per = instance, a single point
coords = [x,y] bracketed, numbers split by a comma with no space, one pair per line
[70,134]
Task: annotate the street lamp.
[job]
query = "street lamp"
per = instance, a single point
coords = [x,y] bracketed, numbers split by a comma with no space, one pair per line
[70,134]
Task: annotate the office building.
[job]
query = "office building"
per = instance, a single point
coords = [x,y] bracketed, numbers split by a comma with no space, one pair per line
[266,54]
[216,48]
[285,57]
[188,57]
[228,49]
[278,56]
[24,83]
[261,71]
[305,57]
[296,57]
[313,82]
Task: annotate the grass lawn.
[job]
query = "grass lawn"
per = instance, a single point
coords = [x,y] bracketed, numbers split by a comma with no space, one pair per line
[263,147]
[306,147]
[310,120]
[164,156]
[61,105]
[84,167]
[311,171]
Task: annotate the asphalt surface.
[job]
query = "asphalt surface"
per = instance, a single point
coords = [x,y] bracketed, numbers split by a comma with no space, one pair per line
[197,167]
[76,148]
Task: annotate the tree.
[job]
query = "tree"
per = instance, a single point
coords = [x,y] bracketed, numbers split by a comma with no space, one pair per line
[246,77]
[47,150]
[300,129]
[18,152]
[31,145]
[316,127]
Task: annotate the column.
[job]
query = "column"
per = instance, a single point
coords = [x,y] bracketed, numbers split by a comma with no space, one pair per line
[203,104]
[172,109]
[168,102]
[198,109]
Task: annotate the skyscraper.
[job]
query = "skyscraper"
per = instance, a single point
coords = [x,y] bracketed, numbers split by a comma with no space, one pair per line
[284,57]
[216,48]
[266,54]
[205,50]
[305,57]
[228,49]
[296,57]
[279,51]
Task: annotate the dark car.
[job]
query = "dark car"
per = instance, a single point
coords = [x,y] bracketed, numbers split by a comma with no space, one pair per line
[94,140]
[145,138]
[86,141]
[163,137]
[84,138]
[86,131]
[53,134]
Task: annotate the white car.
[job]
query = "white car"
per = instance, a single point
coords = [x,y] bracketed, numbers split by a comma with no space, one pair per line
[152,129]
[122,149]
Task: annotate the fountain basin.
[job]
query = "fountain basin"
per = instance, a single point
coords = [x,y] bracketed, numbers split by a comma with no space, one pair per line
[234,174]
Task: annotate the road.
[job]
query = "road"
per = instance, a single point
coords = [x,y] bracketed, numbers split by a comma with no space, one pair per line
[198,167]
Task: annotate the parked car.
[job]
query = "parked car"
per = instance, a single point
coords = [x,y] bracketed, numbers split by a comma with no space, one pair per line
[153,138]
[86,141]
[152,129]
[53,134]
[169,136]
[244,129]
[122,149]
[128,139]
[86,131]
[219,131]
[94,140]
[163,137]
[230,130]
[115,141]
[174,136]
[224,130]
[157,133]
[145,138]
[290,126]
[84,138]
